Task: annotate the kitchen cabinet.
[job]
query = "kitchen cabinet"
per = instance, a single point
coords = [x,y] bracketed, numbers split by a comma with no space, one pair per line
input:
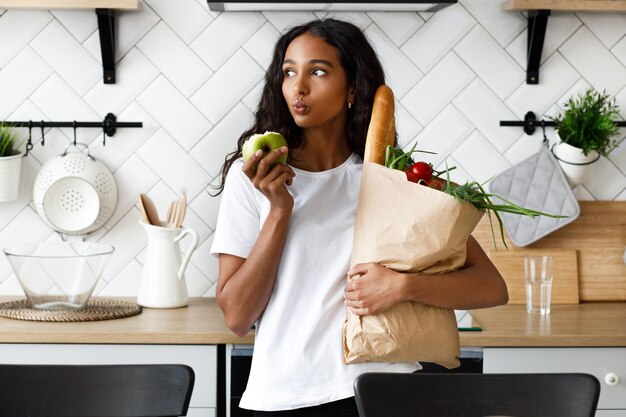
[587,337]
[604,363]
[202,358]
[189,335]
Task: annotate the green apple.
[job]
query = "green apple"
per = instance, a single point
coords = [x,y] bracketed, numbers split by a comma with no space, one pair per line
[267,142]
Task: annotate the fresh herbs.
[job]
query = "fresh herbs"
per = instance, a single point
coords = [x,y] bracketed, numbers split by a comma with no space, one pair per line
[9,143]
[588,122]
[471,192]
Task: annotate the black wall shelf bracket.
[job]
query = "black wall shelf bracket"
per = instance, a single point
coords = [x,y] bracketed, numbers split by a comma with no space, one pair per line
[106,29]
[109,126]
[537,23]
[530,122]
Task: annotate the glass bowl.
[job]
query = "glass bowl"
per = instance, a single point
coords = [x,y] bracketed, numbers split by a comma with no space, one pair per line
[58,275]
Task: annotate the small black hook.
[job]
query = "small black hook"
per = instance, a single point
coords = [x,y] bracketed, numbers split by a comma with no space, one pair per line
[29,144]
[74,124]
[43,134]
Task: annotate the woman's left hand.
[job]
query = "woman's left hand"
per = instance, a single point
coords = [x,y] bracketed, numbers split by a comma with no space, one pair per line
[372,288]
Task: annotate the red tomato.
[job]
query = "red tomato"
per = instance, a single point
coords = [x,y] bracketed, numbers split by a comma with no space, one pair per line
[436,183]
[411,176]
[421,171]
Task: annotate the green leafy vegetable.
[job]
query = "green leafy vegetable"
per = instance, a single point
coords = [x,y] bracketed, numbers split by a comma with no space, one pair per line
[471,192]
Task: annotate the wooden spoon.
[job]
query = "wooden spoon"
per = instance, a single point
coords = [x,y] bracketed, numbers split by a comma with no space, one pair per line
[150,209]
[174,217]
[182,210]
[144,214]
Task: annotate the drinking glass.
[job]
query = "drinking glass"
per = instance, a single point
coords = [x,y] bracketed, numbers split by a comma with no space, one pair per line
[538,271]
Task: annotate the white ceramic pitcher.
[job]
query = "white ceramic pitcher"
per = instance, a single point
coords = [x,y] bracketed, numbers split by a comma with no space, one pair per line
[163,279]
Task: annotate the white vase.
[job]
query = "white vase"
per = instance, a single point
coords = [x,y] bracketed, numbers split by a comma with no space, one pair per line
[573,162]
[10,172]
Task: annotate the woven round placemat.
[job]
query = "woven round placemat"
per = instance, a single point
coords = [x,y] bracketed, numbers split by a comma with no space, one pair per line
[96,309]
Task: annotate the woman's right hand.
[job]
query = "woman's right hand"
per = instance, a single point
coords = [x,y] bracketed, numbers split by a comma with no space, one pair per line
[271,181]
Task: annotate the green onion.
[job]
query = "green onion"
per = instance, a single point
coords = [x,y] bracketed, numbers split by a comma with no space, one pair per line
[472,192]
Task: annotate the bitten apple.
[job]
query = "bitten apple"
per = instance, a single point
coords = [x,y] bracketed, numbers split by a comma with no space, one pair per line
[267,142]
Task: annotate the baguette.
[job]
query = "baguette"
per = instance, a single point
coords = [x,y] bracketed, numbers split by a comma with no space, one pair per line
[382,130]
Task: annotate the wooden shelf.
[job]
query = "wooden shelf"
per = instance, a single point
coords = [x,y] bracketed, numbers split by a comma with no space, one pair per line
[71,4]
[567,5]
[538,13]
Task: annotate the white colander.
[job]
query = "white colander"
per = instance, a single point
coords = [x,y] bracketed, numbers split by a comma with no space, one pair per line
[74,193]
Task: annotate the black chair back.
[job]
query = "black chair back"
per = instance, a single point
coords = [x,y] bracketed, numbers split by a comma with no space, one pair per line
[476,395]
[95,390]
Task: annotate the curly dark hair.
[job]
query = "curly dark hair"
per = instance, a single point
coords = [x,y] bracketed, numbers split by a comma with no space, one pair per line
[364,73]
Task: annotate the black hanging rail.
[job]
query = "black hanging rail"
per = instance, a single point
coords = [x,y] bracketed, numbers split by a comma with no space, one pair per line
[109,126]
[530,122]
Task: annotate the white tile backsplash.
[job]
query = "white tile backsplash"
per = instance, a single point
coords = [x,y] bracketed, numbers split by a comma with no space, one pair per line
[607,27]
[467,153]
[17,29]
[504,27]
[136,72]
[397,26]
[401,74]
[30,69]
[443,134]
[225,35]
[490,62]
[79,23]
[438,36]
[186,17]
[483,108]
[222,139]
[130,27]
[194,78]
[226,87]
[260,45]
[447,79]
[67,57]
[174,59]
[594,62]
[174,112]
[555,78]
[173,164]
[604,181]
[58,101]
[562,26]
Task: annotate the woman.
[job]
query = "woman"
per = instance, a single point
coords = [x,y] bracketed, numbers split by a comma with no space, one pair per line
[284,231]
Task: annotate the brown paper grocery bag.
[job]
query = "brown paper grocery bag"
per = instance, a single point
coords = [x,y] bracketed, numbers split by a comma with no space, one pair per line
[409,228]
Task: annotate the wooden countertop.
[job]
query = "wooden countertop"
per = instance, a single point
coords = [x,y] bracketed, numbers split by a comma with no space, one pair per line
[199,323]
[567,5]
[586,324]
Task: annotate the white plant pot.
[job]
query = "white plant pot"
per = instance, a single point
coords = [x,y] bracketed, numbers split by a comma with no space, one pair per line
[573,162]
[10,173]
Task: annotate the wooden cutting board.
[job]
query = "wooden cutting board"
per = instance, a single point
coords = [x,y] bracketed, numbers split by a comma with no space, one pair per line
[599,237]
[510,263]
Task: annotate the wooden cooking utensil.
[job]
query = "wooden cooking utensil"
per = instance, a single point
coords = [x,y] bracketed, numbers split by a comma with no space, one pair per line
[150,209]
[171,216]
[142,209]
[182,210]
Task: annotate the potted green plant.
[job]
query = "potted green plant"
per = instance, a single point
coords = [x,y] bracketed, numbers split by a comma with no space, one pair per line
[586,131]
[10,164]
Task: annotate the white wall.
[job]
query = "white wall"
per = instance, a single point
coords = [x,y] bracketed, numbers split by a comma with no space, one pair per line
[193,78]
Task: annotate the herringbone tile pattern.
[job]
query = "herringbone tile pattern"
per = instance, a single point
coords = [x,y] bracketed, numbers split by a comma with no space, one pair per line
[193,77]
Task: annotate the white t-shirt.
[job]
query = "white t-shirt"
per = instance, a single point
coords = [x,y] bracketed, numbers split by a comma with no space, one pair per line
[298,349]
